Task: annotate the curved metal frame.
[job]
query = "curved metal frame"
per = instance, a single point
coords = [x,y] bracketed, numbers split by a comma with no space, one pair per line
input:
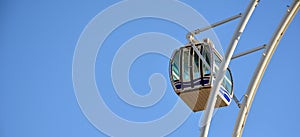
[261,68]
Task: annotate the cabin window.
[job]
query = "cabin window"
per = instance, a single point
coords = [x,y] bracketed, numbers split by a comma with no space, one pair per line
[227,82]
[175,66]
[186,65]
[196,66]
[206,55]
[217,61]
[228,79]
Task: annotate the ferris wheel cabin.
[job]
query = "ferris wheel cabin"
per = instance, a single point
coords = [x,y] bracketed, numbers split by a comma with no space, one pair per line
[192,77]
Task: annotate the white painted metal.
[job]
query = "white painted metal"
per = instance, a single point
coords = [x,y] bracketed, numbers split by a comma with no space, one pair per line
[249,51]
[192,41]
[197,31]
[205,123]
[260,70]
[237,101]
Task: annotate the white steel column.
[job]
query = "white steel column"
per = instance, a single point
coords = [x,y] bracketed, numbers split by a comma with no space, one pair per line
[260,70]
[205,123]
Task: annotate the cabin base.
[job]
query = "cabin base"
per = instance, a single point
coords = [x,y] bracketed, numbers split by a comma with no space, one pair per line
[197,99]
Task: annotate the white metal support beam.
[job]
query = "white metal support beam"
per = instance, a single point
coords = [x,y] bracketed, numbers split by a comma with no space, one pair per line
[205,123]
[260,70]
[248,51]
[198,31]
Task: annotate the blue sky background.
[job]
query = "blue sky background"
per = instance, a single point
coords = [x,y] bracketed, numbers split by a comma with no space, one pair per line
[37,43]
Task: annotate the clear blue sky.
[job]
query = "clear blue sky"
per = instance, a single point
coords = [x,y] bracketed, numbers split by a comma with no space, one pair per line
[37,44]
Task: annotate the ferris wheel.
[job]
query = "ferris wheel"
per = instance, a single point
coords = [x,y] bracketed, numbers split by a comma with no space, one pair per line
[201,77]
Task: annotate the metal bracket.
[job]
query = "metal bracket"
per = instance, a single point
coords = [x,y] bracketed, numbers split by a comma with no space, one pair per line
[249,51]
[197,31]
[237,101]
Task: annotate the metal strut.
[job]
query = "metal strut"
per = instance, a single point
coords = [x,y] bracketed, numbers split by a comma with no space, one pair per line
[261,68]
[249,51]
[236,101]
[197,31]
[205,123]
